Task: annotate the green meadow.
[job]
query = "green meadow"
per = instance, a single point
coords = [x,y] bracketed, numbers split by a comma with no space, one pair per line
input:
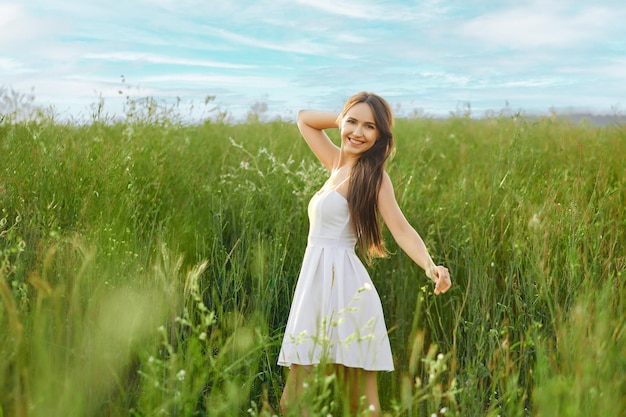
[147,266]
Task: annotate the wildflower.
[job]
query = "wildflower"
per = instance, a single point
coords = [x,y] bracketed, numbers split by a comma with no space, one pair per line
[181,375]
[534,222]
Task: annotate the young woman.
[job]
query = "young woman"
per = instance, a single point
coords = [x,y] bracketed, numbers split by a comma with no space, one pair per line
[336,317]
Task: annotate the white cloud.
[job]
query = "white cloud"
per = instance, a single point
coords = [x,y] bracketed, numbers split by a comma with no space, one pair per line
[301,46]
[317,52]
[18,27]
[347,8]
[223,80]
[9,13]
[160,59]
[375,11]
[13,66]
[445,78]
[614,69]
[539,25]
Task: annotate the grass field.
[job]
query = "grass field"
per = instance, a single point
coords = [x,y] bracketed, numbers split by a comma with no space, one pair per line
[148,267]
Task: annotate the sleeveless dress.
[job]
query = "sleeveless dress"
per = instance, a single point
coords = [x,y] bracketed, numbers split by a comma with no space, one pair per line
[336,315]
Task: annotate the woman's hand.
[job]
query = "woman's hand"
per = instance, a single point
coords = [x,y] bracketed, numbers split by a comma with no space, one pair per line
[441,277]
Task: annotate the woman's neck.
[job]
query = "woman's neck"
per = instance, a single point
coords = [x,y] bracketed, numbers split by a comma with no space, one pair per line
[345,162]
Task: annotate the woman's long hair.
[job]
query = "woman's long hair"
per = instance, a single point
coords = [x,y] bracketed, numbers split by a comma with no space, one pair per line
[367,175]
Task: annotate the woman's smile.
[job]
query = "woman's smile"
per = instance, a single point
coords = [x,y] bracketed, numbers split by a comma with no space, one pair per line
[355,141]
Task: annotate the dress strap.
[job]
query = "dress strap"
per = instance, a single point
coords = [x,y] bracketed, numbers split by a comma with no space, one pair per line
[341,183]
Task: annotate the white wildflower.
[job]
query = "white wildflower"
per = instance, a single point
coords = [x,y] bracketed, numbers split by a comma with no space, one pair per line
[534,222]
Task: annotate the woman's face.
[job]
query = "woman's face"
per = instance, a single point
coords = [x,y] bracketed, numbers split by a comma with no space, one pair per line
[358,129]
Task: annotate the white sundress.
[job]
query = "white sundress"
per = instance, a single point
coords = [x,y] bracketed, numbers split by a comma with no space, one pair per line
[336,315]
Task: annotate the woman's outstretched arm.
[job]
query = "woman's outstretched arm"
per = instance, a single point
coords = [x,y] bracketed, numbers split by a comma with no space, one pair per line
[408,239]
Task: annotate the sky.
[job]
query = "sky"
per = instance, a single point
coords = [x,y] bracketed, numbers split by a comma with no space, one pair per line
[429,57]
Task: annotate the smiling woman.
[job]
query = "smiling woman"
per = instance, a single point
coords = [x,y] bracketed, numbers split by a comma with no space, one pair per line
[336,318]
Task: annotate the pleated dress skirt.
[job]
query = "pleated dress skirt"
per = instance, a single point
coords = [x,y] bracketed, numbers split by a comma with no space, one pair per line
[336,316]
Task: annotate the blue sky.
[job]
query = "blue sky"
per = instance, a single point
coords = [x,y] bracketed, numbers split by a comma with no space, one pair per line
[431,56]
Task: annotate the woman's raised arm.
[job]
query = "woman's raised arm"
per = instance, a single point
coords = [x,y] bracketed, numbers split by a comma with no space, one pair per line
[312,125]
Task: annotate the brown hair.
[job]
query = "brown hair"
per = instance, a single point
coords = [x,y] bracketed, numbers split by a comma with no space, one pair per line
[366,177]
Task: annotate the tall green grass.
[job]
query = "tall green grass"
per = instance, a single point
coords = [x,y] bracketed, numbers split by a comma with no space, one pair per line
[148,267]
